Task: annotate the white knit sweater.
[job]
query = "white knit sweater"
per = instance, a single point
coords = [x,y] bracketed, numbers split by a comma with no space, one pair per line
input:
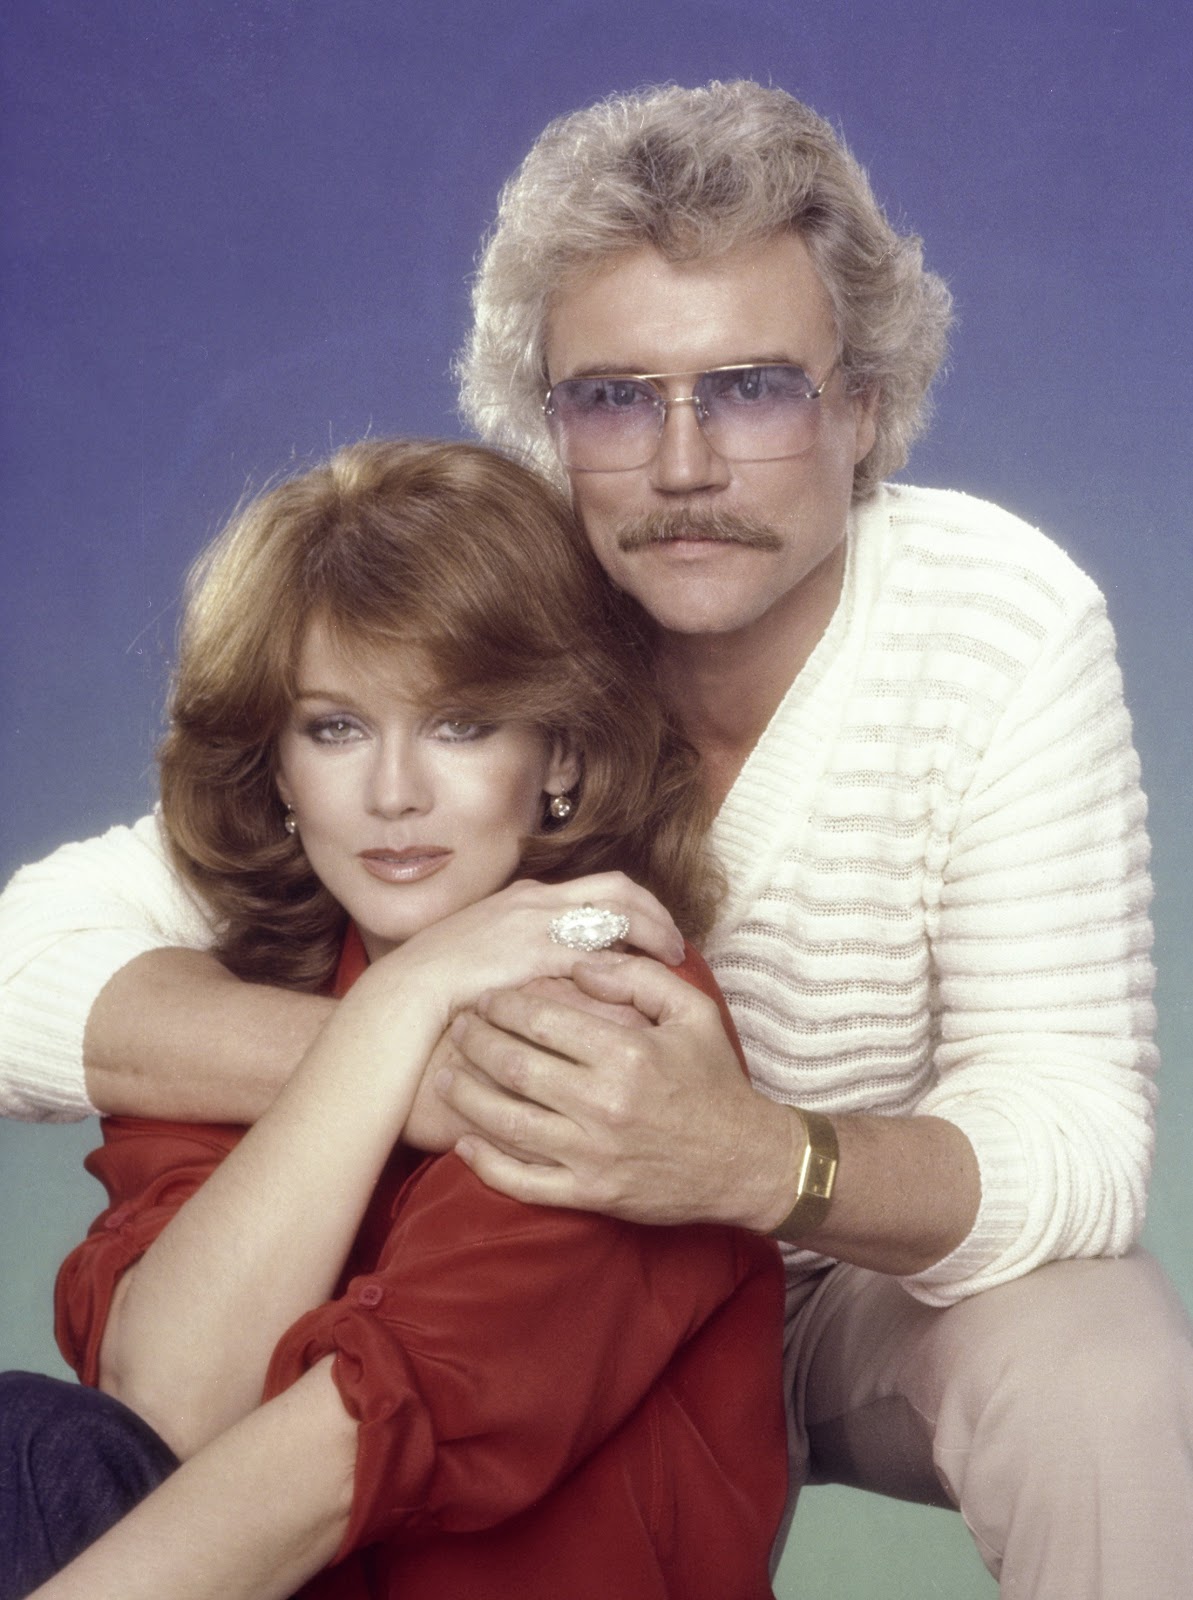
[939,889]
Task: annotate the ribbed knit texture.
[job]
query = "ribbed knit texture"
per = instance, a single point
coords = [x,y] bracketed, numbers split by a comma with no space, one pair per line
[938,862]
[67,925]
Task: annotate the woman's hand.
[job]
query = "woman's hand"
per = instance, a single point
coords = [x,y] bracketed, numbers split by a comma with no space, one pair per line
[266,1236]
[504,941]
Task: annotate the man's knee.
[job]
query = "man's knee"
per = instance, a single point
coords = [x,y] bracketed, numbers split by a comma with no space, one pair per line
[1078,1357]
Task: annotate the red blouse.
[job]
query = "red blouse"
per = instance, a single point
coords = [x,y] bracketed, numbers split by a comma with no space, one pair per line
[551,1403]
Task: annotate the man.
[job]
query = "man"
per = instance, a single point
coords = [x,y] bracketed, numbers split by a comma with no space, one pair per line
[935,939]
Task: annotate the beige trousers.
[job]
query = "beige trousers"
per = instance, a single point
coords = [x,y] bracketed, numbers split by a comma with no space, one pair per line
[1055,1413]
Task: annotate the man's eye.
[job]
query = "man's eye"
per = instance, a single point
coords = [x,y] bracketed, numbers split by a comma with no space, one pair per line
[752,385]
[579,397]
[610,394]
[625,395]
[741,385]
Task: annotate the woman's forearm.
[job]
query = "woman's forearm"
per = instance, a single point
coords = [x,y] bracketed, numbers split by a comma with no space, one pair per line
[252,1516]
[264,1239]
[194,1323]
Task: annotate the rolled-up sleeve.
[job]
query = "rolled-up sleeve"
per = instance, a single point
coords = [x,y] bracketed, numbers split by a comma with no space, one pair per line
[497,1344]
[150,1170]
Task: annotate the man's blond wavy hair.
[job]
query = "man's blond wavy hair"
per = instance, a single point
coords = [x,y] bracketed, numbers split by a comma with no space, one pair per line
[697,173]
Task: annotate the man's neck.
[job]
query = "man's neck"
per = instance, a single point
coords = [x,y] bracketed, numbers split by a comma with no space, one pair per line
[725,687]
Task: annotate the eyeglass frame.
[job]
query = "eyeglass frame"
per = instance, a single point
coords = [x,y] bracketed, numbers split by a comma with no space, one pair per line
[663,403]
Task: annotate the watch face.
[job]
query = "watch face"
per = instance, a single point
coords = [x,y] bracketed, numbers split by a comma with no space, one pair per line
[814,1181]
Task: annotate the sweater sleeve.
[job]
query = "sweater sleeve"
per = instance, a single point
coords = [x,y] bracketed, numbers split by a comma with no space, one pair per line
[67,925]
[1041,947]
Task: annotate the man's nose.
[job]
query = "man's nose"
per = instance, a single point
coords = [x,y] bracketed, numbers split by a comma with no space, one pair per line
[685,461]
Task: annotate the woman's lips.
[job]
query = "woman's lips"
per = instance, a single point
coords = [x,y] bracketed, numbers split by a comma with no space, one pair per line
[404,866]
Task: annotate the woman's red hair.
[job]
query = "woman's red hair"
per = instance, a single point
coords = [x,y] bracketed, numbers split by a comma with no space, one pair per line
[479,565]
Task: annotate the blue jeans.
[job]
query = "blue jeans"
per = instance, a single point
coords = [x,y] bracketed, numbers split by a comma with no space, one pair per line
[72,1462]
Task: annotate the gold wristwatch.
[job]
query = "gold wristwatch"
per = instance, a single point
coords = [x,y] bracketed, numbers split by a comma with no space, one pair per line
[815,1178]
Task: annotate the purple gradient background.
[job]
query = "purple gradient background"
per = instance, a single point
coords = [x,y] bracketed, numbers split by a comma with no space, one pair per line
[236,234]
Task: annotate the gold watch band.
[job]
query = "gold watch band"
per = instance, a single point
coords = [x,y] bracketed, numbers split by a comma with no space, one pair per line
[815,1178]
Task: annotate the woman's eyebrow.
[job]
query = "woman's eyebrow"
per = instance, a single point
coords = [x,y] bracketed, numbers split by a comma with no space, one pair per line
[317,693]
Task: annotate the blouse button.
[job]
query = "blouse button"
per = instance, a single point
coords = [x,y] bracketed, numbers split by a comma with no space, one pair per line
[371,1295]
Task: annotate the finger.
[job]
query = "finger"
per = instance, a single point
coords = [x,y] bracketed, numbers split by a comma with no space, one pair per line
[634,982]
[583,1069]
[567,993]
[651,926]
[516,1068]
[625,980]
[538,1039]
[520,1126]
[529,1182]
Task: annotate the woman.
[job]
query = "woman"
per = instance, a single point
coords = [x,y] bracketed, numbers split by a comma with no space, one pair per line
[402,683]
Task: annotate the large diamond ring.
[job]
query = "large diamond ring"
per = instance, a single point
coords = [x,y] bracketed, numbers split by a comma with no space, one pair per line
[589,928]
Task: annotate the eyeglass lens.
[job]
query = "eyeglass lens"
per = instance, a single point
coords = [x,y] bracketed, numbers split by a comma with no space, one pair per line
[612,423]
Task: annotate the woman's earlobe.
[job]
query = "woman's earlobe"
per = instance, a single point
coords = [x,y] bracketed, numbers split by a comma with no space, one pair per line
[564,770]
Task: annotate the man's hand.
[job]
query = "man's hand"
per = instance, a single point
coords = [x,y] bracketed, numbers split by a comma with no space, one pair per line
[435,1125]
[655,1125]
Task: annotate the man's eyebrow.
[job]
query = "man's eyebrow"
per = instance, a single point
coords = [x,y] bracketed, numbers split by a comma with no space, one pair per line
[608,369]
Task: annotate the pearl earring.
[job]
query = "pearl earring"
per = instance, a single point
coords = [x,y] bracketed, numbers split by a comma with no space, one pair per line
[291,822]
[561,807]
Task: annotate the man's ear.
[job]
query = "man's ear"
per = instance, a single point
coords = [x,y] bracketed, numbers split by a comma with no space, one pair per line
[865,411]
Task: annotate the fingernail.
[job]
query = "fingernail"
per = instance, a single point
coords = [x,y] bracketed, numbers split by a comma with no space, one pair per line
[459,1024]
[444,1079]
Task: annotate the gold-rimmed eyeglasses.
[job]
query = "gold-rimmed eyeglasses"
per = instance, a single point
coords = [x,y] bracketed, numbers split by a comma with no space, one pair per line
[612,422]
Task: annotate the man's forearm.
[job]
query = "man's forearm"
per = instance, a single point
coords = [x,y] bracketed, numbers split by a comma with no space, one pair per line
[660,1126]
[906,1193]
[173,1034]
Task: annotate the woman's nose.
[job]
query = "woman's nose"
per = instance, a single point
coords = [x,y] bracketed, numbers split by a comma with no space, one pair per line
[398,780]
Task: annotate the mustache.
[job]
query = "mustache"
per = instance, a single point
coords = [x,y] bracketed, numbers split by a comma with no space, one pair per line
[715,527]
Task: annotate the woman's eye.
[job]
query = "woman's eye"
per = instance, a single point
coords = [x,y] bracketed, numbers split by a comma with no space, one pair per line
[459,730]
[334,730]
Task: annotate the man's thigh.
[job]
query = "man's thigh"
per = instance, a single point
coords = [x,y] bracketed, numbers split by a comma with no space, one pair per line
[895,1396]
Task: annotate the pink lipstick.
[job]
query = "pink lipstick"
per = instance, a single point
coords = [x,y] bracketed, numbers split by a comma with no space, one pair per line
[404,866]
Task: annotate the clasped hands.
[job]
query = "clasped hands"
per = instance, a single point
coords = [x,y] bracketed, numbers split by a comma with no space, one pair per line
[615,1091]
